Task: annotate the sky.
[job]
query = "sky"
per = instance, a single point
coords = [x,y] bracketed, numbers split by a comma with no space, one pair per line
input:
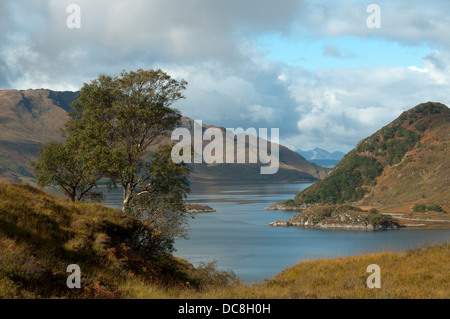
[313,69]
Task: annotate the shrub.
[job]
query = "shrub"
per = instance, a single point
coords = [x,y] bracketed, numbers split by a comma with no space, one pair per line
[421,126]
[207,275]
[419,208]
[289,202]
[435,208]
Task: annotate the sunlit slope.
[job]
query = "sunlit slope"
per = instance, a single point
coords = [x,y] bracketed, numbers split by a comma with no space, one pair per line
[404,164]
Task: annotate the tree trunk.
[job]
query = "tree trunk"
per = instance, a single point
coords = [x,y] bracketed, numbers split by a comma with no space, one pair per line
[73,194]
[127,195]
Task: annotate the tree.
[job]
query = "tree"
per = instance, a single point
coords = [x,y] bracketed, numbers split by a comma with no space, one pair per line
[123,117]
[68,166]
[160,201]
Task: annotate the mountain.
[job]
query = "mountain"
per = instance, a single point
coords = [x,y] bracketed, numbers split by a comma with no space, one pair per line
[28,119]
[403,168]
[322,157]
[32,117]
[292,166]
[318,153]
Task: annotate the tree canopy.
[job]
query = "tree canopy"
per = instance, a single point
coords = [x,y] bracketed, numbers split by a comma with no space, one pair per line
[70,167]
[116,132]
[124,117]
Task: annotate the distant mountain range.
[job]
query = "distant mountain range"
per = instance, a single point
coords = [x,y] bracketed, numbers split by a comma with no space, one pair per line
[32,117]
[322,157]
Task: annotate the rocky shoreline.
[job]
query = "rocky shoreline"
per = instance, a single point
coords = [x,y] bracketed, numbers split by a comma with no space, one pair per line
[344,217]
[196,208]
[283,207]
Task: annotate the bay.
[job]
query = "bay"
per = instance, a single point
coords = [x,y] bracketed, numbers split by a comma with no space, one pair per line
[237,237]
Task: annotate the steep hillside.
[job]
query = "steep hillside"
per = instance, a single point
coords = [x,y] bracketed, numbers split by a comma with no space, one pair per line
[32,117]
[402,168]
[41,235]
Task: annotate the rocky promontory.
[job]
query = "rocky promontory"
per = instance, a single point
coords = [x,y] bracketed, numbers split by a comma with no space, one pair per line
[287,205]
[196,208]
[343,217]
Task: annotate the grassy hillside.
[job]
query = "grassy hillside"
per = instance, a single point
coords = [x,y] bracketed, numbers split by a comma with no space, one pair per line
[403,164]
[41,235]
[418,273]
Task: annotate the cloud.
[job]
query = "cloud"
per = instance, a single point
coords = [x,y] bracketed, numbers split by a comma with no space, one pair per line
[405,21]
[339,107]
[331,50]
[212,45]
[253,96]
[415,68]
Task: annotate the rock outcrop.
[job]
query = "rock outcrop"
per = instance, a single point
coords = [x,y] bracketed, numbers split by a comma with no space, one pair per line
[286,207]
[196,208]
[344,217]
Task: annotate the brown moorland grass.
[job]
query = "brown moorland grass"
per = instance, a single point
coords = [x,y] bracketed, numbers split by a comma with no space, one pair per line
[40,235]
[420,273]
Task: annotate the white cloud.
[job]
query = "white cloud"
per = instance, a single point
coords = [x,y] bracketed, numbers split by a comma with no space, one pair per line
[231,83]
[415,68]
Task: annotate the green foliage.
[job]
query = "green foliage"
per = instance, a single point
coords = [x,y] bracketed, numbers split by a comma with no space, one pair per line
[389,133]
[400,131]
[114,123]
[423,208]
[72,168]
[160,203]
[396,142]
[379,219]
[397,148]
[365,147]
[324,213]
[434,208]
[421,126]
[123,117]
[345,183]
[290,203]
[420,208]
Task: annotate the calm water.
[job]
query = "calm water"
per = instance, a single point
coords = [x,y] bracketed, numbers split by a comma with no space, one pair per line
[236,235]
